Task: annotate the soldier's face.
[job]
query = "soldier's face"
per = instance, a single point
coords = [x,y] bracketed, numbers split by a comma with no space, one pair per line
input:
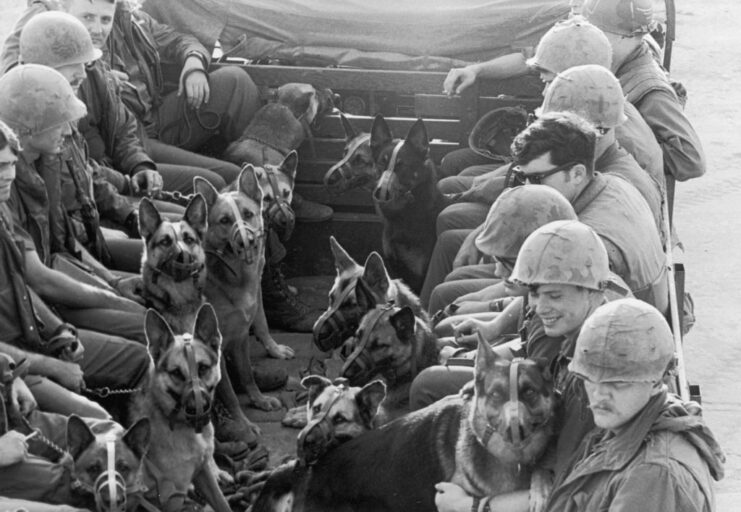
[562,308]
[74,73]
[614,404]
[96,15]
[7,172]
[48,142]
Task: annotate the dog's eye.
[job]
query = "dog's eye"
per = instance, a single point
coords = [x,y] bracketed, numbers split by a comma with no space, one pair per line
[95,470]
[246,214]
[316,409]
[202,369]
[166,242]
[529,394]
[122,468]
[188,239]
[339,420]
[177,374]
[225,220]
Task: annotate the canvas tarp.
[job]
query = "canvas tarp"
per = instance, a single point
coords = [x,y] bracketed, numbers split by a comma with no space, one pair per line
[390,34]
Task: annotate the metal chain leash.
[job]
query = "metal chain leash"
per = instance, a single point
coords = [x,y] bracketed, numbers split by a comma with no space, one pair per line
[105,391]
[36,434]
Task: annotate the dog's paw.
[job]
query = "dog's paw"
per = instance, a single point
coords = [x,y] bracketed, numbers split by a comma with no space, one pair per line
[295,417]
[266,403]
[541,483]
[279,351]
[223,477]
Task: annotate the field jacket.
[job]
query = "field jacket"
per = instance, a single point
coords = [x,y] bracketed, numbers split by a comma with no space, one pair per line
[664,459]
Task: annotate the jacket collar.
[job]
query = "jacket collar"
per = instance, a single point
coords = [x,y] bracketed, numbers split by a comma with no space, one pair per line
[595,186]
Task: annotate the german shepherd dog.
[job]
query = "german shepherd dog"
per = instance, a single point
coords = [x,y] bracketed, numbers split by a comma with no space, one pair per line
[357,289]
[407,198]
[357,167]
[486,441]
[276,182]
[280,126]
[235,257]
[391,342]
[177,399]
[336,413]
[108,463]
[174,263]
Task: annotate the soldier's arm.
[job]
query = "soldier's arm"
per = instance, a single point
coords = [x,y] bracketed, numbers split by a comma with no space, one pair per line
[683,155]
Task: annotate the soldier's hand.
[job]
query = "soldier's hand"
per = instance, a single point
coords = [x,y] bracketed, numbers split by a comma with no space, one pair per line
[194,83]
[22,398]
[458,80]
[131,288]
[452,498]
[68,375]
[13,448]
[147,182]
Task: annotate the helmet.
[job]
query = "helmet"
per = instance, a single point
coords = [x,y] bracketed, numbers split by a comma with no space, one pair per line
[516,213]
[562,252]
[626,340]
[570,43]
[34,98]
[56,39]
[590,91]
[494,132]
[620,17]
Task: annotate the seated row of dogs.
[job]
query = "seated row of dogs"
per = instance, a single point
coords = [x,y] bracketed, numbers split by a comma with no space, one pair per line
[360,448]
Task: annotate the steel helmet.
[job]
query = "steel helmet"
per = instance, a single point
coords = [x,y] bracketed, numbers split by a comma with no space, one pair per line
[569,43]
[34,98]
[626,340]
[590,91]
[562,252]
[620,17]
[516,213]
[492,135]
[56,39]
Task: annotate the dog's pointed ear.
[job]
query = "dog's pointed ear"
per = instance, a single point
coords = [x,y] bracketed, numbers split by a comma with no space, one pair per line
[404,323]
[342,260]
[137,437]
[203,186]
[158,332]
[79,436]
[380,135]
[315,384]
[375,274]
[417,138]
[207,327]
[485,358]
[368,400]
[149,218]
[365,297]
[289,165]
[249,185]
[350,132]
[196,214]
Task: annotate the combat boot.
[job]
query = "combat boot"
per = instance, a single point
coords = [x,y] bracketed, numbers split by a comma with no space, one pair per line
[309,211]
[283,309]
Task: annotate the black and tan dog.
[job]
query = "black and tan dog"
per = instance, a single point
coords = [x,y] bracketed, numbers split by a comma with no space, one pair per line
[277,182]
[407,198]
[336,413]
[177,399]
[357,167]
[235,258]
[392,343]
[108,463]
[486,441]
[174,263]
[357,289]
[280,126]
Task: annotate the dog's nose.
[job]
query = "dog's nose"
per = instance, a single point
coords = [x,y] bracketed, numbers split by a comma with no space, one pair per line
[515,435]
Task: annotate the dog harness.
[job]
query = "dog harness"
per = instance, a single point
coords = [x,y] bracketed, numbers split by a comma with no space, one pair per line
[397,202]
[322,423]
[351,149]
[361,358]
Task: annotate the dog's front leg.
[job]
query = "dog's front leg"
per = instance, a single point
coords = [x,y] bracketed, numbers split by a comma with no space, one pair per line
[246,430]
[239,353]
[205,483]
[262,333]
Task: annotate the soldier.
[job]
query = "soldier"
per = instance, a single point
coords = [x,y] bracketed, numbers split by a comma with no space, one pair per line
[650,451]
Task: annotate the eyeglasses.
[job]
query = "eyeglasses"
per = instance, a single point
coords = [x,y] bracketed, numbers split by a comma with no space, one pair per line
[516,176]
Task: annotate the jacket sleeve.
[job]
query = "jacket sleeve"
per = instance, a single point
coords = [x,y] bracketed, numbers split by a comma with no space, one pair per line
[127,153]
[110,203]
[11,46]
[655,488]
[683,155]
[173,46]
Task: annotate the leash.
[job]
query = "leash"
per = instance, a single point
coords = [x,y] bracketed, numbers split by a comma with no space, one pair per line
[198,114]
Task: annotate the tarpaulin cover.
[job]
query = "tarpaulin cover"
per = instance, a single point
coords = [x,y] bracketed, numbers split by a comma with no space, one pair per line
[392,34]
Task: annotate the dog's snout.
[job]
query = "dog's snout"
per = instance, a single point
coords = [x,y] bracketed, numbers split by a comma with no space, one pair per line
[381,193]
[347,348]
